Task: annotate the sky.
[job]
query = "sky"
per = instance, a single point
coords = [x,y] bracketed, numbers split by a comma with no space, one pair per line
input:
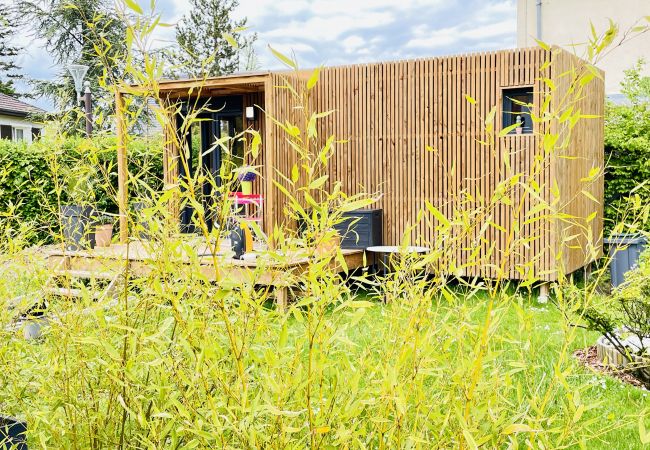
[334,32]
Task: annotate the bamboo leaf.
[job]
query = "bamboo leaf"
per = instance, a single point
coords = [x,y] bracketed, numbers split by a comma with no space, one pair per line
[313,79]
[644,437]
[317,183]
[516,428]
[133,6]
[542,44]
[295,173]
[284,59]
[506,131]
[437,214]
[231,40]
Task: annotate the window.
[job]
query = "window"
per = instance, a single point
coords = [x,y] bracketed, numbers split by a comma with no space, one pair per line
[6,132]
[516,109]
[19,134]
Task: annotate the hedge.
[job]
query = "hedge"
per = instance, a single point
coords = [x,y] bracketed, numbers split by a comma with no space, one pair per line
[29,174]
[627,147]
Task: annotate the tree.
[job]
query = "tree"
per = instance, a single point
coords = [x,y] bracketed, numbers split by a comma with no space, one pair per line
[9,69]
[73,31]
[206,37]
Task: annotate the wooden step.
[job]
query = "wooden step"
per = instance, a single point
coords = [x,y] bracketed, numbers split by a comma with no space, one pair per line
[86,274]
[71,292]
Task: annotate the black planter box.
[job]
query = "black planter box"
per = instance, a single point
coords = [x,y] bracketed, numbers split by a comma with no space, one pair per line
[361,229]
[12,434]
[77,222]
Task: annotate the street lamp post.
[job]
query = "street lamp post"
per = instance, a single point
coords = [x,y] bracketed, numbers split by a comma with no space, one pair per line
[78,72]
[88,100]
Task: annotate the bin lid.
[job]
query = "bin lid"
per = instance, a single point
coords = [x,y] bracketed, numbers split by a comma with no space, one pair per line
[626,239]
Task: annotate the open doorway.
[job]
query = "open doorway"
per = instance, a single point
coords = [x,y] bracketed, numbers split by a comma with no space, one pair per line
[206,157]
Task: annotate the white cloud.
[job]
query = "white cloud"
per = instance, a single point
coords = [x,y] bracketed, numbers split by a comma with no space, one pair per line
[354,43]
[496,21]
[326,28]
[348,31]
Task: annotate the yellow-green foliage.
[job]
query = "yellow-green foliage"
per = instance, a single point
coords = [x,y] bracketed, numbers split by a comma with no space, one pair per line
[178,361]
[59,168]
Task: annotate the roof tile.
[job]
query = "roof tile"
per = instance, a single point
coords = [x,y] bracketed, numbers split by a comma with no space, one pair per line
[14,106]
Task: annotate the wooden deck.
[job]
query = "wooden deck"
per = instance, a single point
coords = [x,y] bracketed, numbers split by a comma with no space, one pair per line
[140,259]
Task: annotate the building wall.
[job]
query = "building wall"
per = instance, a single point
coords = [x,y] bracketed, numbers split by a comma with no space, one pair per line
[567,23]
[20,124]
[409,133]
[580,191]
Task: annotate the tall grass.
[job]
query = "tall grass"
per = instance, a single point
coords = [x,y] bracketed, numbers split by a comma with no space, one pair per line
[187,358]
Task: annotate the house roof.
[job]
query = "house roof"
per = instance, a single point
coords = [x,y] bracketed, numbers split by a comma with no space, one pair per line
[14,107]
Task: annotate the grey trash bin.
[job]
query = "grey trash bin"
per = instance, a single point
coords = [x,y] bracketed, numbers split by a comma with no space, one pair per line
[624,250]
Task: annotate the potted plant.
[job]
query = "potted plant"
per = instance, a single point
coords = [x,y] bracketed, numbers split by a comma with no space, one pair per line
[78,214]
[326,243]
[246,177]
[104,231]
[520,124]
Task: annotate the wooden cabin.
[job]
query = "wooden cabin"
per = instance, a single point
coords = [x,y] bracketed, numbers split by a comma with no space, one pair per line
[413,134]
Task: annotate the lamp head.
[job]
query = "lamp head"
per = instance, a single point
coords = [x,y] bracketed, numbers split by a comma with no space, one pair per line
[78,72]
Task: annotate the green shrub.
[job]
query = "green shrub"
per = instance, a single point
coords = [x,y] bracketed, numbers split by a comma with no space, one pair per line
[33,177]
[623,315]
[627,146]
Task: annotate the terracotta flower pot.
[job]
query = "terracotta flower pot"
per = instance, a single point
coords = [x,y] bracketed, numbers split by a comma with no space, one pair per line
[328,246]
[103,235]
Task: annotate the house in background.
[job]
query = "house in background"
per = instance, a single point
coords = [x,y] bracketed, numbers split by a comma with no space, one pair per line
[16,122]
[554,22]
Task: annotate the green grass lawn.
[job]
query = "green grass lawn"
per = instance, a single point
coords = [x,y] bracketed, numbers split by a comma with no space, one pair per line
[533,330]
[612,397]
[615,397]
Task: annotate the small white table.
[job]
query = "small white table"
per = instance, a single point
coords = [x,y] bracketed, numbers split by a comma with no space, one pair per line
[387,250]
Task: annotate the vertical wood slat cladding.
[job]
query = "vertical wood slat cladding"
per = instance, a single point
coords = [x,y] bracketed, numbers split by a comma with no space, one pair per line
[573,165]
[280,158]
[390,112]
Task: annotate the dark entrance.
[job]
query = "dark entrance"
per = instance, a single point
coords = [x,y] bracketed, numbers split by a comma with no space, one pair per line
[205,157]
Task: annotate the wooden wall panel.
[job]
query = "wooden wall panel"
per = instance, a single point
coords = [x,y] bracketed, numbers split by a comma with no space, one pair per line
[280,158]
[410,133]
[390,112]
[580,151]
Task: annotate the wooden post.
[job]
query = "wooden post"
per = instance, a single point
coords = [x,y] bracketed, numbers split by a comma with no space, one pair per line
[122,171]
[282,298]
[543,292]
[268,170]
[171,157]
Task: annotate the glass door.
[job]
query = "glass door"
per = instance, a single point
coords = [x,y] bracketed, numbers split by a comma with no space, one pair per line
[209,160]
[230,155]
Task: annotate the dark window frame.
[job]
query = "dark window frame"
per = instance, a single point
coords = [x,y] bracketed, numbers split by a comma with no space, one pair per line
[511,109]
